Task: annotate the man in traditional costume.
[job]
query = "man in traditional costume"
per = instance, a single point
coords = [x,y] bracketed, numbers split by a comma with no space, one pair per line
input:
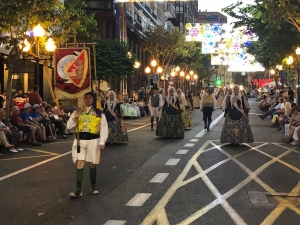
[91,135]
[155,105]
[116,127]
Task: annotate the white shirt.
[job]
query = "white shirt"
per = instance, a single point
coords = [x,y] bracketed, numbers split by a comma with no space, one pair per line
[213,98]
[103,131]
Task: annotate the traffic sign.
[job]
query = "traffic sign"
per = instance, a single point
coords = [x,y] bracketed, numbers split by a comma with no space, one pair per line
[155,77]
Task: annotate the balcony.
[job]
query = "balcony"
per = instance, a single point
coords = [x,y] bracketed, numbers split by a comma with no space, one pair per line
[138,6]
[147,12]
[147,7]
[161,17]
[169,10]
[154,15]
[128,18]
[169,25]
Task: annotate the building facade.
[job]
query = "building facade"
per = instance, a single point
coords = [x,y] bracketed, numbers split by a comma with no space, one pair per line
[211,17]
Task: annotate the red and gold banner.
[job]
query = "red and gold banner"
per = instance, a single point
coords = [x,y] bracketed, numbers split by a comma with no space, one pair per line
[72,72]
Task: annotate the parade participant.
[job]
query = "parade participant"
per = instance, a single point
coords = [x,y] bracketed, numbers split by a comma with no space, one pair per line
[171,124]
[89,122]
[207,106]
[186,117]
[155,106]
[196,100]
[236,127]
[116,129]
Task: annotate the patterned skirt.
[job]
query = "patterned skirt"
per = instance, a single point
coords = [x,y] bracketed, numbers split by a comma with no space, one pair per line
[170,126]
[116,132]
[236,131]
[186,117]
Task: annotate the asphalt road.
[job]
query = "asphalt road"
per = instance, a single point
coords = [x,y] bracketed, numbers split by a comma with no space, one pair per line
[150,180]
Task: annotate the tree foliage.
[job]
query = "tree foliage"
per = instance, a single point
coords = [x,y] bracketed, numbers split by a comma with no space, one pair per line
[113,60]
[162,44]
[61,22]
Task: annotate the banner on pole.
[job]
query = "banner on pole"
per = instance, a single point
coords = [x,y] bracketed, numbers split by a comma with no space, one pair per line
[72,72]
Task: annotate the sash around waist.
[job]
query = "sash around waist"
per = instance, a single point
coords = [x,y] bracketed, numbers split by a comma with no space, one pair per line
[87,136]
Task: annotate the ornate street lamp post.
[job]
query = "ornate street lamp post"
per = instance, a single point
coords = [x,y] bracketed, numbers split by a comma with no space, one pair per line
[298,73]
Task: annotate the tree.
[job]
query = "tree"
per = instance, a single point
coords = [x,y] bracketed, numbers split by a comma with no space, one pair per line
[162,44]
[113,61]
[19,16]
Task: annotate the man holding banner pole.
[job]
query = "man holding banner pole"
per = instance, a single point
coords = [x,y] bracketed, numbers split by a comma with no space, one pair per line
[91,135]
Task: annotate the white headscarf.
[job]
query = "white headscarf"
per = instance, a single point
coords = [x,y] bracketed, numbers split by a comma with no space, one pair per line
[182,97]
[114,101]
[239,96]
[175,97]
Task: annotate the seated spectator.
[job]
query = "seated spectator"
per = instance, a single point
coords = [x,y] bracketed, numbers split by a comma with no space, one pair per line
[272,109]
[43,119]
[293,123]
[11,132]
[263,105]
[17,121]
[280,112]
[59,126]
[286,117]
[28,119]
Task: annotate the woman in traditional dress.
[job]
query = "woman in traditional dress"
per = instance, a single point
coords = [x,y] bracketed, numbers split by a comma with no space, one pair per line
[236,127]
[207,106]
[196,100]
[128,111]
[187,120]
[171,124]
[116,129]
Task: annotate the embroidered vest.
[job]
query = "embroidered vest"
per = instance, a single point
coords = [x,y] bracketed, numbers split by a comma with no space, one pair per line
[89,122]
[207,101]
[155,101]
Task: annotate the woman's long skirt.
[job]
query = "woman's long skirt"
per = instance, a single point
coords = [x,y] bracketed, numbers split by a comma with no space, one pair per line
[196,102]
[116,132]
[127,111]
[236,131]
[186,117]
[170,126]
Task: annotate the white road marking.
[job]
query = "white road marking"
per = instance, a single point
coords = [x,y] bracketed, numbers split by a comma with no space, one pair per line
[172,162]
[189,145]
[138,128]
[159,178]
[194,140]
[115,222]
[139,199]
[181,152]
[51,159]
[203,132]
[256,114]
[33,166]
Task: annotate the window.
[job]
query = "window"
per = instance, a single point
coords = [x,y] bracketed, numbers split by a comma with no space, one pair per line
[99,5]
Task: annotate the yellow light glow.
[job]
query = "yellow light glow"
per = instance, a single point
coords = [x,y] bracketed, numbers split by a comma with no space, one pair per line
[38,31]
[181,74]
[173,74]
[188,77]
[241,88]
[231,86]
[298,51]
[159,69]
[195,76]
[291,59]
[192,72]
[137,64]
[26,46]
[129,55]
[50,45]
[153,63]
[177,68]
[147,70]
[272,71]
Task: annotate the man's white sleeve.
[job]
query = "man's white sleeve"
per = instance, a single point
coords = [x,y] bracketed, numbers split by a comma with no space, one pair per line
[71,122]
[104,130]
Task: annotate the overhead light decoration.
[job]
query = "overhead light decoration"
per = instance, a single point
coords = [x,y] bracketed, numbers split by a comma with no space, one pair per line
[226,45]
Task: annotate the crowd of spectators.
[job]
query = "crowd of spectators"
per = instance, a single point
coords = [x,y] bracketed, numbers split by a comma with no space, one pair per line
[32,119]
[284,113]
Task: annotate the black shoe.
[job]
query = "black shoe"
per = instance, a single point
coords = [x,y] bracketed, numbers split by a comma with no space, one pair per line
[261,117]
[207,128]
[35,144]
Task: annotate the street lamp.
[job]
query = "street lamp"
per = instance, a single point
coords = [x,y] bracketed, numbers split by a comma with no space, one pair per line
[38,33]
[153,63]
[159,70]
[137,64]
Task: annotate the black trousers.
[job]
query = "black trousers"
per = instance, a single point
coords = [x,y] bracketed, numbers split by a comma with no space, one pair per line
[207,112]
